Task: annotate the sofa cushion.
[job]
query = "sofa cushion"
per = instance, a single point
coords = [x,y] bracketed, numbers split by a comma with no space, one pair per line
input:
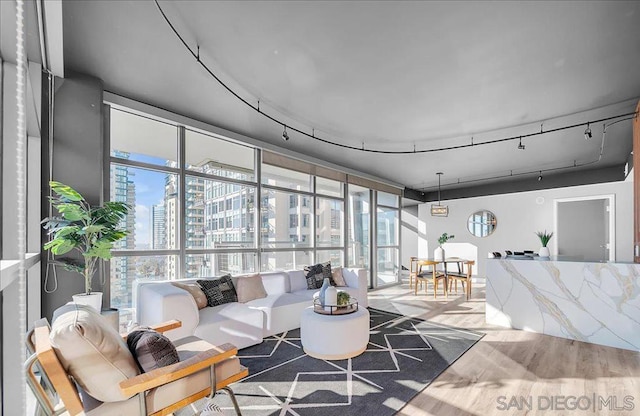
[282,311]
[250,288]
[316,274]
[91,350]
[151,349]
[338,278]
[219,291]
[234,323]
[297,280]
[194,290]
[277,283]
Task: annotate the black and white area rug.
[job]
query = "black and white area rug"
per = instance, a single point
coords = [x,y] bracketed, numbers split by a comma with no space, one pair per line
[404,355]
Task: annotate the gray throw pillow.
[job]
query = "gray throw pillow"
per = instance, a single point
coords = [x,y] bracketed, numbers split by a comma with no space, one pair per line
[151,349]
[316,274]
[219,291]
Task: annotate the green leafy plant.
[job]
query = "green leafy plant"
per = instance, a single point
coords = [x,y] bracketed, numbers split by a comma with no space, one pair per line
[343,298]
[444,238]
[91,231]
[544,237]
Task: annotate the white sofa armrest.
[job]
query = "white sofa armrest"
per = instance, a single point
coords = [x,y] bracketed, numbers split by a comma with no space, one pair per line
[357,278]
[161,301]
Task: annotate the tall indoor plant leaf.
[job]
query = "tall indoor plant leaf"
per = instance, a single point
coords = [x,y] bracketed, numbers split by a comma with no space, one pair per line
[91,231]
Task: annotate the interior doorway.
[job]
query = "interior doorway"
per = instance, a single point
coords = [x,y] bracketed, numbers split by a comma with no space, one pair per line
[585,227]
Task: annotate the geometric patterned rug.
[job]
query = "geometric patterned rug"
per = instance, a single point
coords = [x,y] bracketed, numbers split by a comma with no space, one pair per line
[404,355]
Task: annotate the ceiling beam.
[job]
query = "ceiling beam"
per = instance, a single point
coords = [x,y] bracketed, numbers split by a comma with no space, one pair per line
[548,181]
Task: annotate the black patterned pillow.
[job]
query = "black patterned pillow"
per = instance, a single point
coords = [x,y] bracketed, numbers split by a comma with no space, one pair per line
[219,291]
[316,274]
[151,349]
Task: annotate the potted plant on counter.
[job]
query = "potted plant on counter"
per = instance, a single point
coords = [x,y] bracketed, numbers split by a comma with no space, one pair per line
[438,253]
[544,240]
[89,230]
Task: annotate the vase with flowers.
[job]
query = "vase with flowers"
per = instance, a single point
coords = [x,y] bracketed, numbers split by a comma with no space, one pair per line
[438,253]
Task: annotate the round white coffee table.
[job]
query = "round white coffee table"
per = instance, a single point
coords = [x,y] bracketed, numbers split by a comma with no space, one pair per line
[334,337]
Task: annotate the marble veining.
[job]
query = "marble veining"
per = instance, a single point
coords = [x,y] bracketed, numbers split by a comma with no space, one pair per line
[591,302]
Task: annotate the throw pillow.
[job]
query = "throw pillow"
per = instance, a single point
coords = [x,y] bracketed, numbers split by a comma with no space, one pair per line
[151,349]
[250,288]
[338,277]
[195,291]
[219,291]
[316,274]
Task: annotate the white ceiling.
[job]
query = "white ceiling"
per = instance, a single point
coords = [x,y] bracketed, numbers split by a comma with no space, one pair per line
[389,74]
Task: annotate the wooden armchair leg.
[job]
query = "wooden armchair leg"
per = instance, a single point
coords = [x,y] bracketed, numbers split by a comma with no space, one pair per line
[228,390]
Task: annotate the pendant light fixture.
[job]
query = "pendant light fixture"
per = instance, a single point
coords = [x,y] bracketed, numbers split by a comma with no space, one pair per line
[587,133]
[439,210]
[520,145]
[285,135]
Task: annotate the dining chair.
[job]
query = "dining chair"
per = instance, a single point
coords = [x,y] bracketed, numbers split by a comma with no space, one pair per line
[434,275]
[413,270]
[464,278]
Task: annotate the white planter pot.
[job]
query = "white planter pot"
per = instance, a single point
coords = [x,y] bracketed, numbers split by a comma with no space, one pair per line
[438,254]
[544,252]
[94,300]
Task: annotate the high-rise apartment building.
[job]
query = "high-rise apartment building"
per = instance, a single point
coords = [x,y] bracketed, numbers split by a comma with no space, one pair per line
[123,269]
[158,227]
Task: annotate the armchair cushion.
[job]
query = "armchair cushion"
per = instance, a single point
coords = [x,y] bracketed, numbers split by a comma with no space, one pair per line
[219,291]
[92,351]
[151,349]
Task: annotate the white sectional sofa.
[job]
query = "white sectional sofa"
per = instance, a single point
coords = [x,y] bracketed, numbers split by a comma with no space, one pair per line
[242,324]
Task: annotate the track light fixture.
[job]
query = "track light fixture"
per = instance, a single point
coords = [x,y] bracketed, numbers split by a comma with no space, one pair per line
[587,133]
[520,145]
[540,176]
[285,135]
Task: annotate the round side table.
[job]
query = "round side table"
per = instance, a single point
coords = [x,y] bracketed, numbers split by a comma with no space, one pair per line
[334,337]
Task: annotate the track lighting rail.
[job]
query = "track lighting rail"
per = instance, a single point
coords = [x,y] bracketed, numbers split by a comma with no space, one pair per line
[312,135]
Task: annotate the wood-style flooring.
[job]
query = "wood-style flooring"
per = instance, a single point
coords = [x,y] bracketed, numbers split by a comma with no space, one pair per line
[522,367]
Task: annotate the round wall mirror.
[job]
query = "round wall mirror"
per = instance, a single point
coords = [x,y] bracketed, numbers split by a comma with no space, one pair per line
[482,223]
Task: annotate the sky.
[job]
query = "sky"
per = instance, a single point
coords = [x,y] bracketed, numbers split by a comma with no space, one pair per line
[149,192]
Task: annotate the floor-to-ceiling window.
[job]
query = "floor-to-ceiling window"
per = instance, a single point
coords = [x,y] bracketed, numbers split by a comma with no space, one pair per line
[204,205]
[388,238]
[359,226]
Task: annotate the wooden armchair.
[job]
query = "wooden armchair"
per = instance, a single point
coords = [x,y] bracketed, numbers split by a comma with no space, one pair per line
[203,370]
[413,270]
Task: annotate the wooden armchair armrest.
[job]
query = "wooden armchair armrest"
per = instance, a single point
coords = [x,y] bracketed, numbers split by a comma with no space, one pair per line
[167,326]
[163,327]
[164,375]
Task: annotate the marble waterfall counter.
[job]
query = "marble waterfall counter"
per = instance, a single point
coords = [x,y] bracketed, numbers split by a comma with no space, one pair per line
[591,302]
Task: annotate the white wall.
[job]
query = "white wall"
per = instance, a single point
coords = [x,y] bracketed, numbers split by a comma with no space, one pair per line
[519,216]
[409,233]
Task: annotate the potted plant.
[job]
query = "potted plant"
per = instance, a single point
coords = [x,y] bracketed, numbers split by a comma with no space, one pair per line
[544,240]
[87,229]
[438,253]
